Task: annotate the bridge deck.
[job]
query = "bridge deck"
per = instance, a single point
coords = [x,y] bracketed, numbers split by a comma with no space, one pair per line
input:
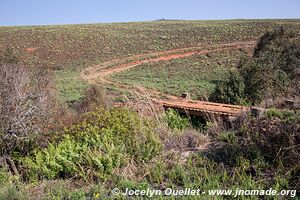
[202,107]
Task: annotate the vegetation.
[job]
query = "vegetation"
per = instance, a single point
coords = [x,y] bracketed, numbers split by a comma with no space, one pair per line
[116,148]
[76,46]
[196,74]
[175,121]
[269,73]
[69,85]
[104,141]
[275,64]
[27,105]
[50,152]
[230,91]
[73,47]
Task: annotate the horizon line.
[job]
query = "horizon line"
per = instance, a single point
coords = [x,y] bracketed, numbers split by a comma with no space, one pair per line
[154,20]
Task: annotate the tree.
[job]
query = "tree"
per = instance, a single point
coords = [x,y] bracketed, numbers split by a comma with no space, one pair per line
[273,67]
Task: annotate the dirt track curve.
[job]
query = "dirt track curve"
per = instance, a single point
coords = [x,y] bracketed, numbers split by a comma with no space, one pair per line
[101,72]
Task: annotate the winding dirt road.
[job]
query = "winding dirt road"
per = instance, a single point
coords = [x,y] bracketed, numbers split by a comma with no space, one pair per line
[101,72]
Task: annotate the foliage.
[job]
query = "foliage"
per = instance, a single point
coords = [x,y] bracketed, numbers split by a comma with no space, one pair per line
[4,176]
[273,67]
[273,138]
[196,74]
[10,192]
[230,91]
[263,81]
[104,141]
[69,85]
[287,115]
[175,121]
[93,97]
[228,137]
[281,44]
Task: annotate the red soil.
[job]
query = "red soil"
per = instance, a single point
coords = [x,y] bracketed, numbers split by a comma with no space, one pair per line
[102,71]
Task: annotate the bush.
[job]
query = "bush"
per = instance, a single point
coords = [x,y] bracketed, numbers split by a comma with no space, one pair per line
[284,114]
[228,137]
[273,67]
[263,80]
[10,192]
[230,91]
[260,147]
[275,138]
[27,105]
[93,97]
[175,121]
[272,71]
[104,141]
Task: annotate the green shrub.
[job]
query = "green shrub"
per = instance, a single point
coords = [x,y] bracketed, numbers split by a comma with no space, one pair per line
[274,113]
[274,137]
[104,141]
[287,115]
[273,67]
[4,176]
[10,192]
[229,91]
[175,121]
[228,137]
[63,193]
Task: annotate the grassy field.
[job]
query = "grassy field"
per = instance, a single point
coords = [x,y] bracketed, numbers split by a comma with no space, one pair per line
[74,47]
[85,153]
[78,45]
[196,74]
[70,86]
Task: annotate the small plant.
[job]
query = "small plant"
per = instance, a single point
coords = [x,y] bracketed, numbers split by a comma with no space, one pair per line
[175,121]
[228,137]
[11,192]
[286,115]
[4,176]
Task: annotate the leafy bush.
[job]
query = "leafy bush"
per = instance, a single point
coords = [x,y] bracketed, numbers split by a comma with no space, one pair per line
[175,121]
[4,177]
[9,187]
[268,74]
[228,137]
[199,171]
[263,80]
[230,91]
[104,141]
[273,67]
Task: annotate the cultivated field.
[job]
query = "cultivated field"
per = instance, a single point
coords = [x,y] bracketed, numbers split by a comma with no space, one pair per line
[81,109]
[195,74]
[70,48]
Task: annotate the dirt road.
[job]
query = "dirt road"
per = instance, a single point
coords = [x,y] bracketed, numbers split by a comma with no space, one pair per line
[101,72]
